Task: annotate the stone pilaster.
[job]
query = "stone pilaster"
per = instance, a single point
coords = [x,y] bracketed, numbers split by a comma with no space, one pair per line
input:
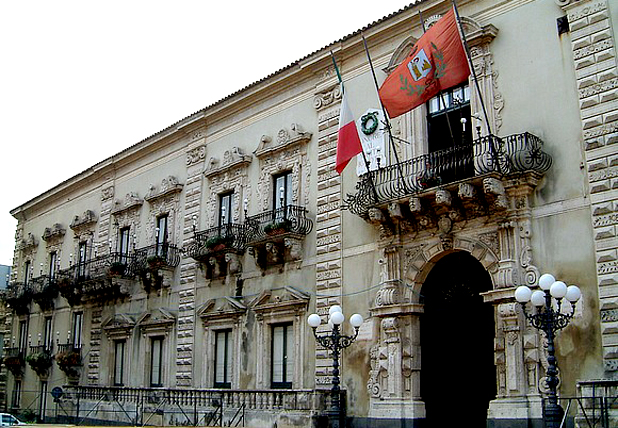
[328,219]
[594,56]
[196,155]
[94,354]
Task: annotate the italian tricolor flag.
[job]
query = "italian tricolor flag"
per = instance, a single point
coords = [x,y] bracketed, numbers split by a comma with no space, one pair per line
[348,141]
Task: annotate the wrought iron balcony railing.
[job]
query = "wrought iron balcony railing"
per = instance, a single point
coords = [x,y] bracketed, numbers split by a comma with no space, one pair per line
[228,236]
[18,295]
[287,219]
[486,155]
[157,255]
[13,351]
[100,266]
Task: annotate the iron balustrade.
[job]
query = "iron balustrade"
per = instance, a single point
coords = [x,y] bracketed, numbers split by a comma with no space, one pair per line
[485,155]
[231,235]
[69,347]
[290,218]
[99,266]
[12,352]
[18,295]
[40,349]
[160,254]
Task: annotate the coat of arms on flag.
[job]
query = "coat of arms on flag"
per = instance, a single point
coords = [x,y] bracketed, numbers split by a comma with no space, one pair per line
[436,62]
[419,66]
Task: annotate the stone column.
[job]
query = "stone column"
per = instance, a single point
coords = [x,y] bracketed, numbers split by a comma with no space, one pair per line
[594,56]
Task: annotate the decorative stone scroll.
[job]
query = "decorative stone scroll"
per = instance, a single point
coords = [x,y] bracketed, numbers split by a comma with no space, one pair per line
[169,185]
[85,221]
[233,158]
[53,234]
[131,202]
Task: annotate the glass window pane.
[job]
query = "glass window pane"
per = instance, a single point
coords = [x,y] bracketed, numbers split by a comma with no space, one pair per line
[289,354]
[156,366]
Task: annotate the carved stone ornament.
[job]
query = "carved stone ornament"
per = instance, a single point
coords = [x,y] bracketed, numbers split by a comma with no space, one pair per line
[156,321]
[87,219]
[327,97]
[27,243]
[195,155]
[287,300]
[53,233]
[285,139]
[119,326]
[107,193]
[231,159]
[169,185]
[131,202]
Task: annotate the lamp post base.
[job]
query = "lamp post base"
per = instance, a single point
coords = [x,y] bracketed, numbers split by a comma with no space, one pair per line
[552,414]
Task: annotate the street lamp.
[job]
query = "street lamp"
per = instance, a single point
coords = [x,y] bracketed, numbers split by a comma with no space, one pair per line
[549,319]
[335,342]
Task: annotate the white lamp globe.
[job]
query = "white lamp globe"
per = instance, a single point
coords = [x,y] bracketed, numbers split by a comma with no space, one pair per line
[334,308]
[538,298]
[558,289]
[314,320]
[356,320]
[523,294]
[337,318]
[573,293]
[330,324]
[546,280]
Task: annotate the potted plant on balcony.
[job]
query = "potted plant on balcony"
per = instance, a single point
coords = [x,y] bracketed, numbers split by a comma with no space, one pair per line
[40,362]
[14,363]
[69,362]
[117,269]
[278,227]
[218,242]
[156,261]
[429,178]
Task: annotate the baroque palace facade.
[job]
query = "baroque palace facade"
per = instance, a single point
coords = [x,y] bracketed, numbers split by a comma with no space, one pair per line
[171,282]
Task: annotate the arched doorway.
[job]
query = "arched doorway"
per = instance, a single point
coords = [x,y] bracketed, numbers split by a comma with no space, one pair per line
[458,377]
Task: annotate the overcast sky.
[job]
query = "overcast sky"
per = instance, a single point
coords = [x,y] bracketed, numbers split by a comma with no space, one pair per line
[82,80]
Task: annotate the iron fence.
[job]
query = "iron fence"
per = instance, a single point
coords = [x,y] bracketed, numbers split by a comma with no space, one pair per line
[287,219]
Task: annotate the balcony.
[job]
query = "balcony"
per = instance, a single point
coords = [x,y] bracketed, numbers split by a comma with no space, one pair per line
[40,359]
[18,296]
[105,276]
[155,265]
[44,290]
[219,249]
[69,360]
[13,360]
[461,171]
[276,236]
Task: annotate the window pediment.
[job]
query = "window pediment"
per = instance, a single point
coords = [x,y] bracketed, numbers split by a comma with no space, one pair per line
[224,308]
[119,326]
[131,202]
[28,243]
[283,301]
[285,139]
[85,221]
[169,186]
[232,159]
[156,321]
[54,233]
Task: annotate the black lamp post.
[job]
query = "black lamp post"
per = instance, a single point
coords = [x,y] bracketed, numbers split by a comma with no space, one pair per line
[550,319]
[335,342]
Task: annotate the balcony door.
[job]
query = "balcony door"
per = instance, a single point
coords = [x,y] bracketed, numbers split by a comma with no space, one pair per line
[123,244]
[161,235]
[450,136]
[282,356]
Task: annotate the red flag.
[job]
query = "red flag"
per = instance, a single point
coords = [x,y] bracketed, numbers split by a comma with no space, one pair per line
[437,62]
[348,141]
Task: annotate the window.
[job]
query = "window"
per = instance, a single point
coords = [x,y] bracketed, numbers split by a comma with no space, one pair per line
[81,262]
[282,356]
[43,401]
[119,346]
[48,338]
[53,260]
[76,333]
[27,271]
[17,393]
[282,195]
[156,361]
[123,243]
[23,336]
[225,208]
[161,235]
[223,359]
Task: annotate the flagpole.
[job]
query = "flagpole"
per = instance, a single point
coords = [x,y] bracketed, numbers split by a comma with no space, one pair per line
[388,125]
[375,193]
